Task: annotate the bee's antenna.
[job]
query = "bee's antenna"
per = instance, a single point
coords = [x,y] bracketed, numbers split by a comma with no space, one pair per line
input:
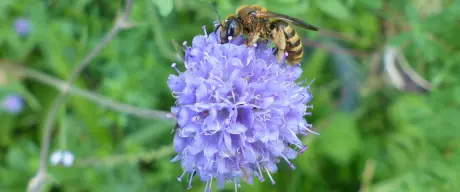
[215,10]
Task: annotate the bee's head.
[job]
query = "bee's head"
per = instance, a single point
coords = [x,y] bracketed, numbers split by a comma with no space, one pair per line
[230,28]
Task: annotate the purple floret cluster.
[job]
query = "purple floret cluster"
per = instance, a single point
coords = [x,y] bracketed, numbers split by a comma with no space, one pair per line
[239,112]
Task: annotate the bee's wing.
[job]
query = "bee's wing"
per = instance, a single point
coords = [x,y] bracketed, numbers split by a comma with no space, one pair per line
[287,18]
[179,49]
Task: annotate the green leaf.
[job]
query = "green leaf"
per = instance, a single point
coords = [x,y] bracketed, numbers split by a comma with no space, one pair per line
[148,133]
[409,107]
[340,140]
[456,95]
[375,4]
[412,13]
[400,39]
[428,48]
[165,7]
[334,8]
[6,129]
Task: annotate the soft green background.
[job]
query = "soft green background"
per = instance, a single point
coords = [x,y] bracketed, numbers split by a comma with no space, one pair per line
[400,141]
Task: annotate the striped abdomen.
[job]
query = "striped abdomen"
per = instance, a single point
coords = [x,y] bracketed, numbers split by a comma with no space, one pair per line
[293,45]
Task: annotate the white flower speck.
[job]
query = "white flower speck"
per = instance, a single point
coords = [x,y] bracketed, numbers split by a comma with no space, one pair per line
[65,158]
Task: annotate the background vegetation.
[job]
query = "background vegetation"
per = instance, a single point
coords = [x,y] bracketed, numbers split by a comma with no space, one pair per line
[374,137]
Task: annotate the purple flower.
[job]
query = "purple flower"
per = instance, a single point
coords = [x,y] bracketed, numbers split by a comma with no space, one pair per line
[22,26]
[12,104]
[238,112]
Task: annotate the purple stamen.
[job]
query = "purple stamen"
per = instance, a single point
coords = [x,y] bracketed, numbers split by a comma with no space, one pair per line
[288,162]
[303,149]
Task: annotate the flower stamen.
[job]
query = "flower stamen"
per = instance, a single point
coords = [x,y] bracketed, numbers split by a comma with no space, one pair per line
[309,130]
[303,149]
[261,176]
[210,184]
[234,182]
[175,67]
[270,176]
[190,180]
[180,177]
[288,162]
[206,187]
[204,29]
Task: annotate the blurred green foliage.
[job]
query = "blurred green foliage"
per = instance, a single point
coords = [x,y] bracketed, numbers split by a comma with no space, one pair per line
[373,138]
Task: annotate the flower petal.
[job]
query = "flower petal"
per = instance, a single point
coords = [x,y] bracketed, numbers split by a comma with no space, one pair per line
[236,128]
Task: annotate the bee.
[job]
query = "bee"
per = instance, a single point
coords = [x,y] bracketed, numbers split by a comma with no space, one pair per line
[256,22]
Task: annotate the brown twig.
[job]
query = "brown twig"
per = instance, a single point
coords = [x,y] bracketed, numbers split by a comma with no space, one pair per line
[121,22]
[368,175]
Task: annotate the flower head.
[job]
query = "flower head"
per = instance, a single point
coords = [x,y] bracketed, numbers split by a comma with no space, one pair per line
[22,26]
[238,111]
[12,104]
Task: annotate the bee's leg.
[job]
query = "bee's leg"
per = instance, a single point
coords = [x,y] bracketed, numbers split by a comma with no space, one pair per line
[277,34]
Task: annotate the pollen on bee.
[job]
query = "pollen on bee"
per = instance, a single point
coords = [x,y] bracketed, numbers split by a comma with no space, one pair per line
[255,44]
[230,38]
[286,54]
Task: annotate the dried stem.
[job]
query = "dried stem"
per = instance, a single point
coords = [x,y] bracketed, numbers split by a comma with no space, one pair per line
[368,175]
[96,98]
[121,22]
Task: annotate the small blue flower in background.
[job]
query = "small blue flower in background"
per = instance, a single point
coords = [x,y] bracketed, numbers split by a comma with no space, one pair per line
[60,157]
[22,26]
[13,103]
[238,112]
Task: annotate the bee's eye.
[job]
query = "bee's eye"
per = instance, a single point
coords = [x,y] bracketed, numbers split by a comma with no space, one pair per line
[218,26]
[232,28]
